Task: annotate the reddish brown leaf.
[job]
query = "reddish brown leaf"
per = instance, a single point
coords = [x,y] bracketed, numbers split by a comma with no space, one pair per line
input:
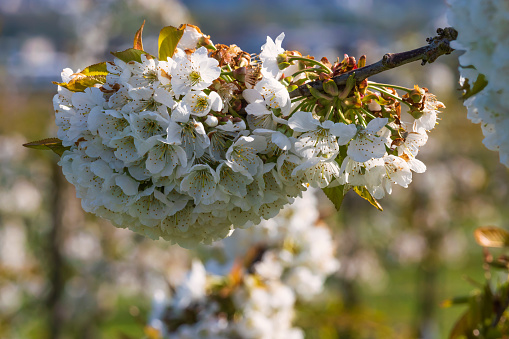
[491,236]
[138,43]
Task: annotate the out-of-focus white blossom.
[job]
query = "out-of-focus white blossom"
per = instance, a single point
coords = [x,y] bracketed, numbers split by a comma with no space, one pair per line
[485,50]
[287,260]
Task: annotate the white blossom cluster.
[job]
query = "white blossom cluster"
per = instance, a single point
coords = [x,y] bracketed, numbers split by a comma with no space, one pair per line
[293,257]
[296,250]
[483,33]
[184,150]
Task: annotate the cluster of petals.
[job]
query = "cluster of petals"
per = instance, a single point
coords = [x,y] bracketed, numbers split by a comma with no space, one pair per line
[298,256]
[152,149]
[148,152]
[486,51]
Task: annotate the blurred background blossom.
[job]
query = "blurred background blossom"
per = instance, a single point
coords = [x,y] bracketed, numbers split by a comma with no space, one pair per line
[65,274]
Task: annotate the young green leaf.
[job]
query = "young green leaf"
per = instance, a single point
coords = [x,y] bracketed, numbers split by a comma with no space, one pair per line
[335,195]
[130,54]
[363,192]
[53,144]
[169,38]
[95,69]
[478,86]
[81,82]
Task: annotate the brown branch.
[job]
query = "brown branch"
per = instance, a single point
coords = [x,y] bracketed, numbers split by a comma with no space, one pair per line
[436,47]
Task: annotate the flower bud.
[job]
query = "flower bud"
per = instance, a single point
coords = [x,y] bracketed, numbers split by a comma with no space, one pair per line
[282,58]
[283,65]
[211,121]
[416,114]
[236,105]
[206,42]
[362,61]
[330,87]
[244,59]
[240,74]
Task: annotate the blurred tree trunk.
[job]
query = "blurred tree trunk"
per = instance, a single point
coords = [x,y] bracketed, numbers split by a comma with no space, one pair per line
[55,262]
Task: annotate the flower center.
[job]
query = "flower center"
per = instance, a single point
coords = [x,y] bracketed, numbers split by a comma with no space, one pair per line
[151,76]
[194,77]
[201,105]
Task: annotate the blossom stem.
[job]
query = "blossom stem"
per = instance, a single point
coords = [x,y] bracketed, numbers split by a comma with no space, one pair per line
[361,118]
[311,70]
[390,95]
[331,109]
[376,84]
[298,106]
[368,113]
[342,116]
[311,61]
[298,99]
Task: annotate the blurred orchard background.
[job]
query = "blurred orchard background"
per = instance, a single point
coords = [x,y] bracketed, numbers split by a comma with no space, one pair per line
[66,274]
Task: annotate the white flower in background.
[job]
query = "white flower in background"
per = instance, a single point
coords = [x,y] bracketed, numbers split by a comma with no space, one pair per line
[367,143]
[195,72]
[270,50]
[486,51]
[295,258]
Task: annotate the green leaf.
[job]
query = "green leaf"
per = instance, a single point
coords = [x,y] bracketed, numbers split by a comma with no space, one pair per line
[478,86]
[53,144]
[95,69]
[292,88]
[81,82]
[363,192]
[335,195]
[169,37]
[129,54]
[491,236]
[463,327]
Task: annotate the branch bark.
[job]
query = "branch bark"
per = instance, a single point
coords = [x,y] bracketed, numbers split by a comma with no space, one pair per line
[436,47]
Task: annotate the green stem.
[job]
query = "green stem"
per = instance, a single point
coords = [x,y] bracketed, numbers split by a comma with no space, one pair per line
[371,83]
[341,115]
[390,95]
[311,70]
[311,61]
[298,107]
[298,99]
[331,108]
[361,118]
[368,113]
